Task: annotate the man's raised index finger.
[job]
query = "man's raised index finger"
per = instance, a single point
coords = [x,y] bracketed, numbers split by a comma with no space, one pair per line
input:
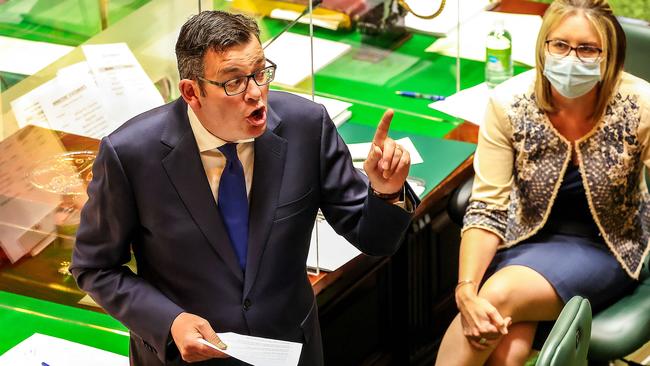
[382,128]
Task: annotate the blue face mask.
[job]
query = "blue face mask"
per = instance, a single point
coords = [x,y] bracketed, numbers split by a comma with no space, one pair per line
[571,77]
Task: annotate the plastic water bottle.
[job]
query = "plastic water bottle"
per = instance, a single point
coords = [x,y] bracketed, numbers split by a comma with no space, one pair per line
[498,55]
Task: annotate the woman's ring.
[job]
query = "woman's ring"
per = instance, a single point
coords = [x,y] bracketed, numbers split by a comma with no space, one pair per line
[482,341]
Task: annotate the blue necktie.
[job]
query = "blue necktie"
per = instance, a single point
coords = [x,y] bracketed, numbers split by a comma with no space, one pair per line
[233,202]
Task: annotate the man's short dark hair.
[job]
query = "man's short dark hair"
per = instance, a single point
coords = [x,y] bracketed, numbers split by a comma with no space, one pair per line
[210,30]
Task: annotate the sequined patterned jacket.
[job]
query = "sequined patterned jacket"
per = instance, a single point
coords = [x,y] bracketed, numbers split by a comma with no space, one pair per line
[521,158]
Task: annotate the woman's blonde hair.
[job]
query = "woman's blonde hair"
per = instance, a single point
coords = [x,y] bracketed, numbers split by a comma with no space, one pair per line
[600,15]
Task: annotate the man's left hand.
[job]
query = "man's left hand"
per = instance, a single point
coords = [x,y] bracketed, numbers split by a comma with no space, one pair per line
[388,163]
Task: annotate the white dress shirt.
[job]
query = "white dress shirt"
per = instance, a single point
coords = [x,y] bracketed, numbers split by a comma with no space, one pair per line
[214,161]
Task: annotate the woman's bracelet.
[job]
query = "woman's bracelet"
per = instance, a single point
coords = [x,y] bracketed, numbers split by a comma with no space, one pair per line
[462,283]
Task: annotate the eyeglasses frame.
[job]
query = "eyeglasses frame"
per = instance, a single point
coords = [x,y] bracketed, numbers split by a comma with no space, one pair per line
[600,50]
[248,77]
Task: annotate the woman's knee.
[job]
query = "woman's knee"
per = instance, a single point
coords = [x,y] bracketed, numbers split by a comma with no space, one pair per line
[499,293]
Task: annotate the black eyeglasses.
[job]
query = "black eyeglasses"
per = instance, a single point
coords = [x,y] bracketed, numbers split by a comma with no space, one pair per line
[585,53]
[239,85]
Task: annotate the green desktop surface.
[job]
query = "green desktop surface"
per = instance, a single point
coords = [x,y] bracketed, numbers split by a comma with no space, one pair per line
[22,316]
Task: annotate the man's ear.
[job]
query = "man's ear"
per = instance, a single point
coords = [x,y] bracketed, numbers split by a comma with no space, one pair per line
[190,92]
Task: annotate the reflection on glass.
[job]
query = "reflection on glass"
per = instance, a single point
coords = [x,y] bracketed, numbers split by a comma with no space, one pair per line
[66,175]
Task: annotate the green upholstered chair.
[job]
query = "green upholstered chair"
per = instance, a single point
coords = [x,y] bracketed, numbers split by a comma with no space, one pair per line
[568,342]
[616,331]
[623,327]
[637,34]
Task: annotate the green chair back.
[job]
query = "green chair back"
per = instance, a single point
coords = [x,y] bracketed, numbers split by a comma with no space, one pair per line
[568,342]
[637,34]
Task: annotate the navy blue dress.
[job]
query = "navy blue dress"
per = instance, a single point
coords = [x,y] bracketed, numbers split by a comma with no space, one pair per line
[569,252]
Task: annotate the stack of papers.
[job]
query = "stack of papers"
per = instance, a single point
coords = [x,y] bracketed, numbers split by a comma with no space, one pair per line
[473,33]
[337,109]
[291,52]
[446,21]
[90,98]
[40,349]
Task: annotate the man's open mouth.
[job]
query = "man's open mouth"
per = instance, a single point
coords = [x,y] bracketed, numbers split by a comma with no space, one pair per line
[258,116]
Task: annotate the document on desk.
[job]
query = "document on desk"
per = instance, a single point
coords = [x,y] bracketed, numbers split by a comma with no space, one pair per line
[456,105]
[40,349]
[338,110]
[28,57]
[75,106]
[332,20]
[71,105]
[328,250]
[523,28]
[259,351]
[291,53]
[360,151]
[125,87]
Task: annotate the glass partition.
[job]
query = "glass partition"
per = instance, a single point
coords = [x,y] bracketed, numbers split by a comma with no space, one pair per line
[120,62]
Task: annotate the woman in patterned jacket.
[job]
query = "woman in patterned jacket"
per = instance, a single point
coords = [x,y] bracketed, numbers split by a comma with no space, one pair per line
[559,204]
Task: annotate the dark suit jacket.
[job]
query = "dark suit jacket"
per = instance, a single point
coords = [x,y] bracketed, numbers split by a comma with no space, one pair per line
[150,194]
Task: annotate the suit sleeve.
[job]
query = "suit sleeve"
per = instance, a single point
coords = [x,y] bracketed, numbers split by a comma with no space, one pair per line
[371,224]
[103,247]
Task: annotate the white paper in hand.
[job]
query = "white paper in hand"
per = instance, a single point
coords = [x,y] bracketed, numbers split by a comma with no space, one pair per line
[259,351]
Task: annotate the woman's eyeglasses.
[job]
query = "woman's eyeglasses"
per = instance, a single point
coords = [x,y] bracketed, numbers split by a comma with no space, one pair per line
[585,53]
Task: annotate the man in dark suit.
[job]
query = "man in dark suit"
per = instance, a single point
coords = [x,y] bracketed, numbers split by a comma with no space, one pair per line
[217,202]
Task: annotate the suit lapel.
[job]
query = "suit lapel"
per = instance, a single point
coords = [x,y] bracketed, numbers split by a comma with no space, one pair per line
[270,156]
[185,170]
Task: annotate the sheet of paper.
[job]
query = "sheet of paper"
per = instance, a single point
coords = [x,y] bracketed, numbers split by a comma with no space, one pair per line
[80,69]
[291,53]
[446,21]
[333,249]
[40,349]
[27,109]
[337,109]
[75,106]
[28,57]
[323,21]
[522,27]
[23,225]
[456,105]
[259,351]
[125,88]
[360,151]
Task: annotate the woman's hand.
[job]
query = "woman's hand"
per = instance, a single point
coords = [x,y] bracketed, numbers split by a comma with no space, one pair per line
[482,323]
